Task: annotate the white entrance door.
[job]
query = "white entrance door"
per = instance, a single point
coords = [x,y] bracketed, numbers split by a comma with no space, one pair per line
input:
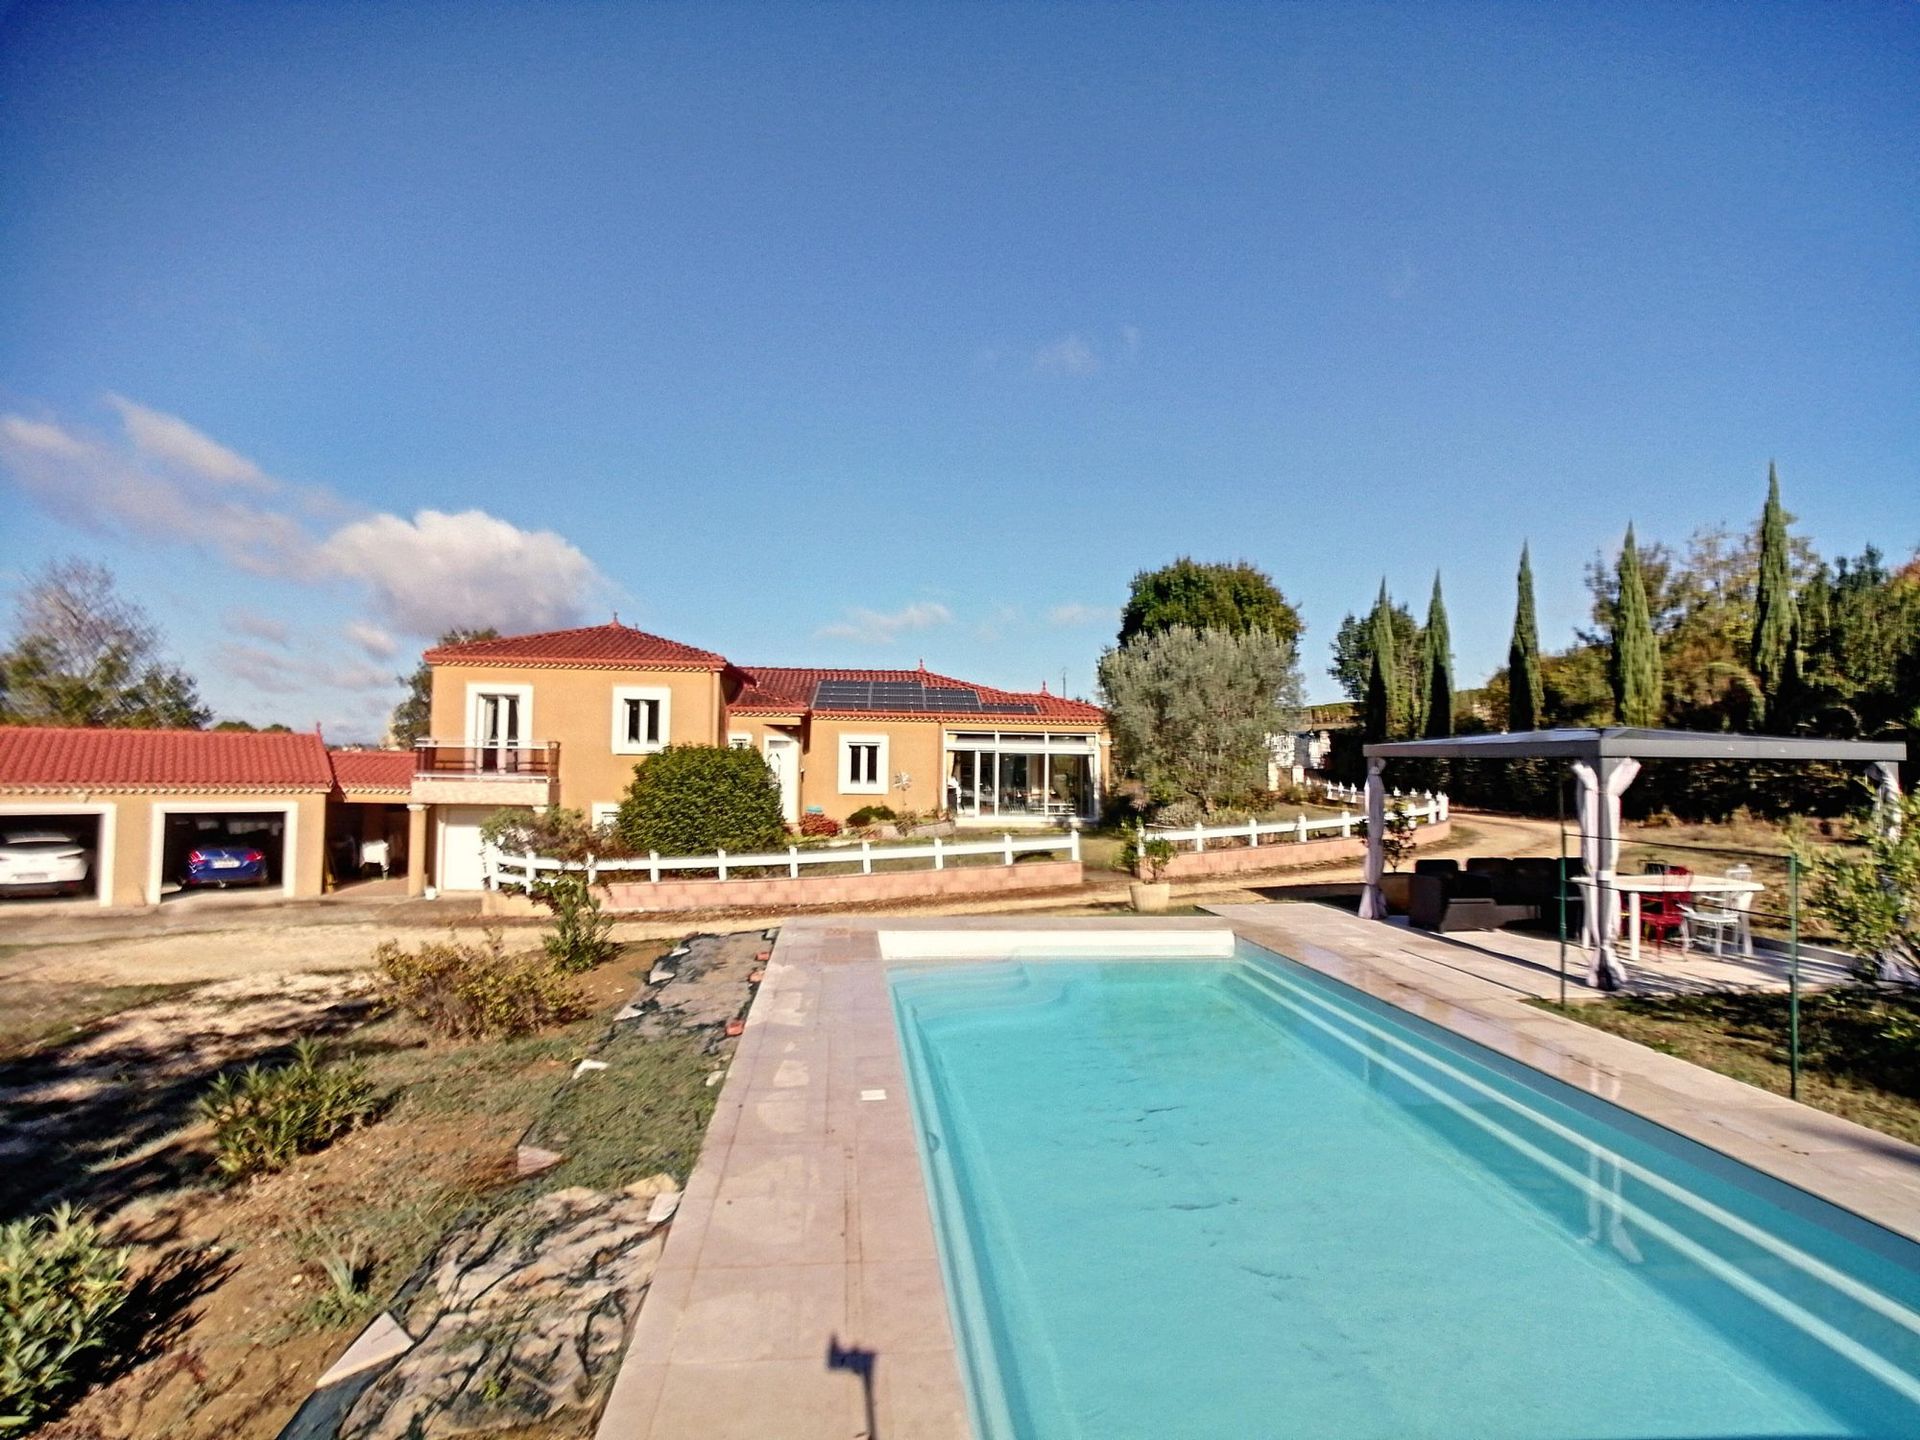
[459,849]
[783,758]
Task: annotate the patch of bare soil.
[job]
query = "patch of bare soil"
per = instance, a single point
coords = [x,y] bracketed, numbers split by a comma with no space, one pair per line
[235,1318]
[98,1120]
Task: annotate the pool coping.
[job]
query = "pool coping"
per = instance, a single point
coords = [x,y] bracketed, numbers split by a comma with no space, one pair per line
[800,1292]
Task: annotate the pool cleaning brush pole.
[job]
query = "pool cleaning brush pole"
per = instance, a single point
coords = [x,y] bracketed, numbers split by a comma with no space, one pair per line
[1560,802]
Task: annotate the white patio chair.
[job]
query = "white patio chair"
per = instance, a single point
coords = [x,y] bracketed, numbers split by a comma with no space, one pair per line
[1711,919]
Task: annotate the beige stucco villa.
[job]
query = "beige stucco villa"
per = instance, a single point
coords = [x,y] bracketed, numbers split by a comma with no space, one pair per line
[562,718]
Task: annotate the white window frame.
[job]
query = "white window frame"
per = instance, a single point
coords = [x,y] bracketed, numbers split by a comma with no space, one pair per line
[662,696]
[739,740]
[524,693]
[601,812]
[876,786]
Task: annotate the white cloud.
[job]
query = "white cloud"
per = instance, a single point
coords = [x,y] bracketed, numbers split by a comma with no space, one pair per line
[260,627]
[371,638]
[872,627]
[1074,614]
[274,672]
[437,571]
[169,440]
[161,480]
[1069,355]
[1130,341]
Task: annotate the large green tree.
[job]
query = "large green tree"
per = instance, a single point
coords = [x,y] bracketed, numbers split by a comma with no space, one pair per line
[1353,652]
[1773,619]
[1236,598]
[1438,646]
[1526,696]
[82,654]
[413,716]
[1635,654]
[1383,716]
[1192,711]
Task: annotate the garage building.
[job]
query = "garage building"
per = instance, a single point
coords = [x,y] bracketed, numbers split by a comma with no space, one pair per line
[142,798]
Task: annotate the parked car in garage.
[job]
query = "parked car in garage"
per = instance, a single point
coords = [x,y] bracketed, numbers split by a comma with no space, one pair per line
[224,862]
[38,861]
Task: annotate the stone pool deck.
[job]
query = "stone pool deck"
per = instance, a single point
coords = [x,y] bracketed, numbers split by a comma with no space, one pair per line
[800,1294]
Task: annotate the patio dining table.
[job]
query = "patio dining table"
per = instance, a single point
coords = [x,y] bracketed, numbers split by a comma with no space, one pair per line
[1634,886]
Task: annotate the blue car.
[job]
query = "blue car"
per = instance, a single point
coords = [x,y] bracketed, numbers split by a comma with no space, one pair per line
[224,863]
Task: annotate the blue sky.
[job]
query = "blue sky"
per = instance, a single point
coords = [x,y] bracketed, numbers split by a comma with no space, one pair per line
[862,334]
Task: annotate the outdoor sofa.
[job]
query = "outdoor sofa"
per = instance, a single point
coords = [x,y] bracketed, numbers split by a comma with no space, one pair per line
[1491,891]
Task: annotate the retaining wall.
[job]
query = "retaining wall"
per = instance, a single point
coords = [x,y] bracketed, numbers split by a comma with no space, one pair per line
[642,897]
[1284,854]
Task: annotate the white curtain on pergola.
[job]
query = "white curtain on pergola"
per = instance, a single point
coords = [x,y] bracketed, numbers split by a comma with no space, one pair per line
[1602,783]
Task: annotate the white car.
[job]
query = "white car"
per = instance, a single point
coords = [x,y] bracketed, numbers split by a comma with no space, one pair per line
[44,860]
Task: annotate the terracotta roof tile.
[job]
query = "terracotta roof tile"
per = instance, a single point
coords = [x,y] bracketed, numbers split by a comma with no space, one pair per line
[787,688]
[385,770]
[35,758]
[608,647]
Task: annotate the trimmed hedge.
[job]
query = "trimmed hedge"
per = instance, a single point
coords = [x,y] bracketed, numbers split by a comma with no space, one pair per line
[695,799]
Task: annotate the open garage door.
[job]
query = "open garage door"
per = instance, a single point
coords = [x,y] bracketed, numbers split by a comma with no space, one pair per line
[50,852]
[221,848]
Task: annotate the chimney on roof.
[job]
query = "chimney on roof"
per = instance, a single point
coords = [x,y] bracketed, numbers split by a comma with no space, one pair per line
[923,664]
[1043,687]
[616,617]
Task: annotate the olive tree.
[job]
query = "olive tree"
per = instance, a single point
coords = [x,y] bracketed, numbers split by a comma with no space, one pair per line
[1192,711]
[1871,896]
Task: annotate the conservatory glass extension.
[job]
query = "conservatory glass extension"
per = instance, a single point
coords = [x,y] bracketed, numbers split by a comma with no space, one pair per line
[1022,775]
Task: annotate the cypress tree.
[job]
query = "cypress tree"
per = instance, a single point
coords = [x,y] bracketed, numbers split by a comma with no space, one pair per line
[1772,607]
[1635,660]
[1439,676]
[1383,707]
[1526,696]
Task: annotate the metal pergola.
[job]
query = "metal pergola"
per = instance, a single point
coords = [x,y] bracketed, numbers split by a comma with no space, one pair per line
[1604,763]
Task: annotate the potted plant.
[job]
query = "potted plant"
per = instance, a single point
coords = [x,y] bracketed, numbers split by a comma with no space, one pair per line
[1148,860]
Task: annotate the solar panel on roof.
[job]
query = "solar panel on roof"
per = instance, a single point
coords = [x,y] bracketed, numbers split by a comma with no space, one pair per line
[906,695]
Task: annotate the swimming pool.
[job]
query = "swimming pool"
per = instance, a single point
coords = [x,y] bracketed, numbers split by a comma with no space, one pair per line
[1237,1198]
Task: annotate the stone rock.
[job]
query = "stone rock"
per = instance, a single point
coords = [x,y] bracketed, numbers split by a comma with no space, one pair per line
[653,1185]
[523,1316]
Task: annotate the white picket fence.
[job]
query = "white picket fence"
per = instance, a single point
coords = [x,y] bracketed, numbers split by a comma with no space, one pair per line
[1431,809]
[520,871]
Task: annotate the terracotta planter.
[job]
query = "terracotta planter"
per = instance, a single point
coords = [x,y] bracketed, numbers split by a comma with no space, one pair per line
[1397,887]
[1150,897]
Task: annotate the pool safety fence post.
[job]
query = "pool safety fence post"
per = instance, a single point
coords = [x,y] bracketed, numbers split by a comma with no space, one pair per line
[1560,797]
[1793,974]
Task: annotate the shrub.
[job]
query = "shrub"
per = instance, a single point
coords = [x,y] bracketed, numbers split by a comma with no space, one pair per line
[60,1289]
[696,799]
[1870,897]
[819,826]
[559,832]
[869,815]
[1147,858]
[266,1115]
[472,991]
[581,937]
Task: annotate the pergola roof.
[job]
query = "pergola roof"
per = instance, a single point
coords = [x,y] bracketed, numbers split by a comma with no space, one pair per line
[1623,742]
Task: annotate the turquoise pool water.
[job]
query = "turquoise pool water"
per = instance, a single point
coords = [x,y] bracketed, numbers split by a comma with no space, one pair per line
[1238,1199]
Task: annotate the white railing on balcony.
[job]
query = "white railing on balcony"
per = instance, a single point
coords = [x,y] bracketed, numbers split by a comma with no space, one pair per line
[519,871]
[1429,809]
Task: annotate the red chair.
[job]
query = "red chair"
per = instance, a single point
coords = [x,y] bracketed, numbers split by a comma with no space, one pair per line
[1661,912]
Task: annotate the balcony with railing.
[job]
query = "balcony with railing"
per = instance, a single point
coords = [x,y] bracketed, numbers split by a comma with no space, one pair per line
[451,773]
